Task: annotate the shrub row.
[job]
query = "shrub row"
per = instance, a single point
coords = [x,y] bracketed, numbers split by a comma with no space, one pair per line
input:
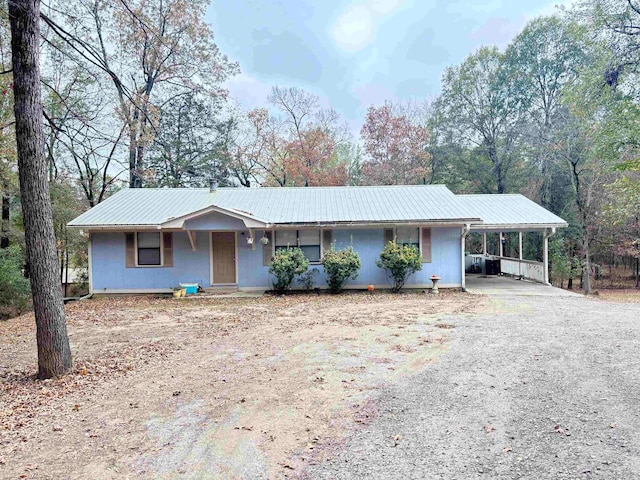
[399,261]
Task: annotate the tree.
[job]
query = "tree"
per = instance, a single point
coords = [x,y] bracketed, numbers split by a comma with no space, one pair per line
[246,146]
[543,61]
[189,148]
[622,217]
[302,143]
[151,51]
[7,140]
[54,353]
[482,104]
[396,148]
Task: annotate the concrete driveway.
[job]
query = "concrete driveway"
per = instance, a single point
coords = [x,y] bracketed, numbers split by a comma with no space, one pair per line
[497,285]
[537,388]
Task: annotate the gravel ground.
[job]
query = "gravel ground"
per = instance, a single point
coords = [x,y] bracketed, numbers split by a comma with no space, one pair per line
[540,388]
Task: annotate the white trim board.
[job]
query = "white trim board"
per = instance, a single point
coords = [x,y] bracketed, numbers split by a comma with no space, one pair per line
[147,291]
[132,291]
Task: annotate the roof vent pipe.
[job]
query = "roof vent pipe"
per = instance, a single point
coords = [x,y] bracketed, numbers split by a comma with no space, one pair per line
[213,185]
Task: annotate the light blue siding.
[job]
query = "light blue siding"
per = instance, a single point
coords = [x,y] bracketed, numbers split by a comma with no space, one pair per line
[214,221]
[109,271]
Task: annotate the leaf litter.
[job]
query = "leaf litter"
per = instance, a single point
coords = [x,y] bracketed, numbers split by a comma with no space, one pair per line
[247,388]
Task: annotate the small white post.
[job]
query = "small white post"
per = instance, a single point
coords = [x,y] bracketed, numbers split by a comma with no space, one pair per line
[90,270]
[500,242]
[484,244]
[520,253]
[463,237]
[545,257]
[520,245]
[545,251]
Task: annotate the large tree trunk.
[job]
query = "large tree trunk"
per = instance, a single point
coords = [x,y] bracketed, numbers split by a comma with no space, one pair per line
[54,354]
[4,227]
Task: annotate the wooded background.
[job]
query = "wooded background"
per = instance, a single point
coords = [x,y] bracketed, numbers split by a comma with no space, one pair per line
[134,96]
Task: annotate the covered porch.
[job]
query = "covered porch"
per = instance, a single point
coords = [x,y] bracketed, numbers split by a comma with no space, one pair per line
[513,238]
[501,252]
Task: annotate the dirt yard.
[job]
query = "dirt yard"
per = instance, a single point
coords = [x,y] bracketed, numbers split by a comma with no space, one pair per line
[234,388]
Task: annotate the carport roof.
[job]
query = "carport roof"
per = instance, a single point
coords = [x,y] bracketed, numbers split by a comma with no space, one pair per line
[509,212]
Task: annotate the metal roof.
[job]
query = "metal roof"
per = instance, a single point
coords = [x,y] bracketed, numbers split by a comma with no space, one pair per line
[144,206]
[311,205]
[509,210]
[153,207]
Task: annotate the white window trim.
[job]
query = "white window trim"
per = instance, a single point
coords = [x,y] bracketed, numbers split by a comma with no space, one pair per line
[135,246]
[275,232]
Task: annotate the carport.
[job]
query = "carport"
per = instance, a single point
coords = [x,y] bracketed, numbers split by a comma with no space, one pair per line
[503,214]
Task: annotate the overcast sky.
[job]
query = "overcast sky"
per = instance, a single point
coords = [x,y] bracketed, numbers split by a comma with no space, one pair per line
[357,53]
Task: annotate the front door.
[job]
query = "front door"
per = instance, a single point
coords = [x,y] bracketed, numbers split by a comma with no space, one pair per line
[223,256]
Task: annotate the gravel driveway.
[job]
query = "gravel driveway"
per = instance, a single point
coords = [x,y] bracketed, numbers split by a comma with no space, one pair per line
[543,387]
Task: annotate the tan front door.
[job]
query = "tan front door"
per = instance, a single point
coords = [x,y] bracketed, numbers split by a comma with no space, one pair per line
[223,246]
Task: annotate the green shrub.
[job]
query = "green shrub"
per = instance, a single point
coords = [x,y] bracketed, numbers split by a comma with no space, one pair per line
[15,292]
[399,261]
[340,267]
[285,265]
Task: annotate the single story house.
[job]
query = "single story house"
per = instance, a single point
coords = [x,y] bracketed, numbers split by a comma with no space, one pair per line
[150,240]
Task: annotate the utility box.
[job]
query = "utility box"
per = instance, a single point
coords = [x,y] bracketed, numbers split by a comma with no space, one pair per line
[492,267]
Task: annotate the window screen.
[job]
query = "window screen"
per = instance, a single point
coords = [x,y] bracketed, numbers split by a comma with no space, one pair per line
[286,238]
[408,236]
[149,249]
[310,244]
[307,240]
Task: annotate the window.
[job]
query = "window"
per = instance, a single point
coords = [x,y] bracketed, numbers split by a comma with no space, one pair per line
[408,236]
[307,240]
[148,246]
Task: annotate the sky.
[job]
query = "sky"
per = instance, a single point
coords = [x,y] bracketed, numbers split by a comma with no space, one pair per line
[357,53]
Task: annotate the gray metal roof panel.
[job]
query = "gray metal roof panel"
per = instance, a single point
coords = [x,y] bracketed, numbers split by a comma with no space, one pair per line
[508,209]
[147,206]
[150,206]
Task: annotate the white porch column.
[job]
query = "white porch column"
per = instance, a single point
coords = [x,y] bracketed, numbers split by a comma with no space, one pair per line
[545,257]
[501,247]
[484,243]
[545,252]
[520,253]
[520,245]
[463,237]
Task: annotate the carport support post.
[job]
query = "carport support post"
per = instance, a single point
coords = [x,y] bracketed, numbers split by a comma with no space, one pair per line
[463,239]
[545,252]
[501,247]
[484,243]
[520,253]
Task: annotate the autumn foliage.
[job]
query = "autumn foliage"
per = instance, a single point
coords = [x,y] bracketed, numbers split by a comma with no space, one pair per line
[396,148]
